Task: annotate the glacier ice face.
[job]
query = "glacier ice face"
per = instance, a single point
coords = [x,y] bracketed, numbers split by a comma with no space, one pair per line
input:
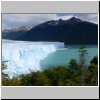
[25,56]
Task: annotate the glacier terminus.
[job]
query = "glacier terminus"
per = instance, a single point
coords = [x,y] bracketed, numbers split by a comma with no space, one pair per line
[23,57]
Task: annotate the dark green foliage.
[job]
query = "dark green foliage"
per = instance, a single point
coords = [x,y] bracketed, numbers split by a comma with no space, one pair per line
[34,78]
[74,74]
[73,66]
[57,75]
[94,60]
[5,77]
[93,72]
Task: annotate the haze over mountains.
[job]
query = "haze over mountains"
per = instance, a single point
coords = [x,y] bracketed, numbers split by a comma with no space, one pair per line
[72,31]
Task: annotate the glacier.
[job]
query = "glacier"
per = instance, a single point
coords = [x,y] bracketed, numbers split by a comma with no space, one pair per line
[24,56]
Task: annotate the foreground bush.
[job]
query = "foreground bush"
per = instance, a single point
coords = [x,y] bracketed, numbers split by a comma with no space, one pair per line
[71,75]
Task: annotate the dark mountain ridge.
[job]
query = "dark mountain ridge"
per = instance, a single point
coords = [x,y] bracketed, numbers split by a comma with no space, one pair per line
[72,31]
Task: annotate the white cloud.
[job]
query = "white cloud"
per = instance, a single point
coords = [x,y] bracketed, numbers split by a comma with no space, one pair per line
[88,17]
[16,20]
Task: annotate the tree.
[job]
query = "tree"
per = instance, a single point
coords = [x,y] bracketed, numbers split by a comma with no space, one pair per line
[93,71]
[83,54]
[75,73]
[94,60]
[83,64]
[5,77]
[34,79]
[56,75]
[73,66]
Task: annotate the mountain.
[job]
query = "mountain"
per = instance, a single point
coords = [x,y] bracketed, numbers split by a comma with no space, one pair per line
[12,34]
[71,31]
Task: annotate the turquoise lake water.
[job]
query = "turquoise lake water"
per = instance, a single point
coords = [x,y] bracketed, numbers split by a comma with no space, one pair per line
[63,56]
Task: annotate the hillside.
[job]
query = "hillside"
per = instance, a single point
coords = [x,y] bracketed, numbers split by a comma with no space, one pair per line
[72,31]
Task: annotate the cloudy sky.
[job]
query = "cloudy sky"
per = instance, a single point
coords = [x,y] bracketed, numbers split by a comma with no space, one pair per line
[17,20]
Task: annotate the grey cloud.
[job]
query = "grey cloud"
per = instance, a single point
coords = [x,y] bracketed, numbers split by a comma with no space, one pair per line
[88,17]
[16,20]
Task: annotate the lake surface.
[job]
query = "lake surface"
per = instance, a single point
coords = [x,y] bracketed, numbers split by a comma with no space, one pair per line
[63,56]
[23,56]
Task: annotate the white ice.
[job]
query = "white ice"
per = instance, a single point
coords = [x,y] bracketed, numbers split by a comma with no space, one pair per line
[25,56]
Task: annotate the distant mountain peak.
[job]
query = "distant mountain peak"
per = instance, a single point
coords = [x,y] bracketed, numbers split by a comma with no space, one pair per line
[21,28]
[25,28]
[60,20]
[74,19]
